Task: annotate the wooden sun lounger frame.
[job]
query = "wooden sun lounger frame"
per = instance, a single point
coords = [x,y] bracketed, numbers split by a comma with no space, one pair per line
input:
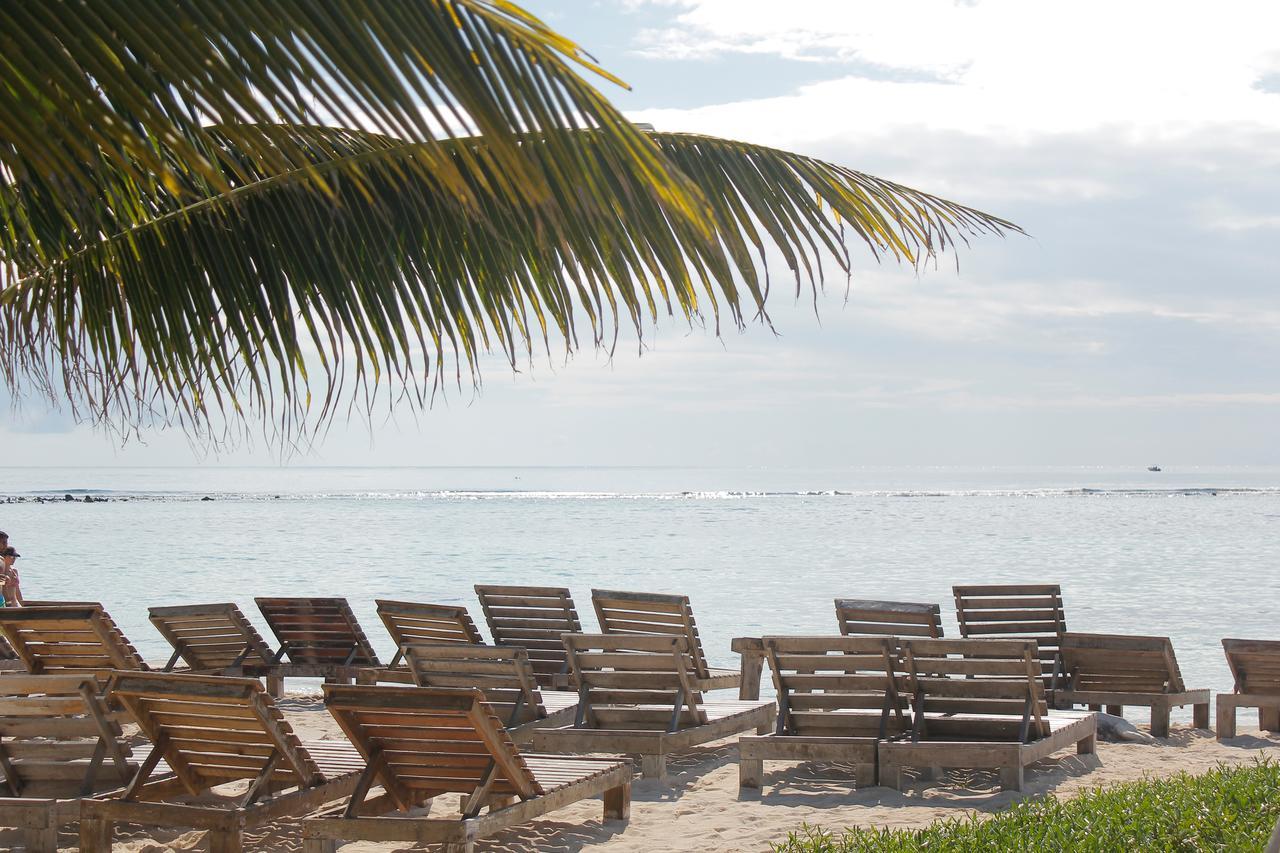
[1254,688]
[533,618]
[657,614]
[1122,650]
[1015,612]
[206,635]
[498,672]
[38,635]
[825,679]
[360,656]
[410,622]
[965,691]
[196,698]
[462,711]
[656,674]
[861,616]
[61,713]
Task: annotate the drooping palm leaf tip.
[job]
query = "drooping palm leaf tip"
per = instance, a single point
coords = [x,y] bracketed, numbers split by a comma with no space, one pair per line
[188,235]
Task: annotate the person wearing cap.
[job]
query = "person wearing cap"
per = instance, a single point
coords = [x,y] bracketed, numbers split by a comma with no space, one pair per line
[9,573]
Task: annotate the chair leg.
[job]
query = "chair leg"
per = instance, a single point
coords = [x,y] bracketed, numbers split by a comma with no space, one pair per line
[617,802]
[1087,745]
[1115,710]
[1160,720]
[653,766]
[864,775]
[1269,718]
[467,846]
[750,772]
[891,775]
[1011,778]
[319,845]
[275,686]
[1200,715]
[1226,719]
[42,839]
[226,841]
[95,835]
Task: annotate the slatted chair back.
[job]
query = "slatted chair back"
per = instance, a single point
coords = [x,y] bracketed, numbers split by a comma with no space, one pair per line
[422,742]
[212,730]
[210,637]
[1015,611]
[58,739]
[408,623]
[317,631]
[1117,663]
[634,682]
[68,638]
[1255,665]
[651,614]
[888,618]
[504,675]
[975,689]
[533,618]
[836,686]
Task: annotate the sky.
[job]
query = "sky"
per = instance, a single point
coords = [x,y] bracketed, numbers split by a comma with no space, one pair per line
[1137,143]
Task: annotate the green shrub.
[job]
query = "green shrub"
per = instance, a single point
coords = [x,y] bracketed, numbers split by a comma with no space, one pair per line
[1231,808]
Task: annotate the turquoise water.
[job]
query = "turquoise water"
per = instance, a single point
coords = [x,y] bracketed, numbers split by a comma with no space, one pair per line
[1189,554]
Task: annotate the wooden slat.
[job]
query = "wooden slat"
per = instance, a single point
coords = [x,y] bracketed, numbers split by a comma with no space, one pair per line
[317,630]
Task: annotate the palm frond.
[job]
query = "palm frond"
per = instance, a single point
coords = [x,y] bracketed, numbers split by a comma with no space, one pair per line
[120,95]
[305,278]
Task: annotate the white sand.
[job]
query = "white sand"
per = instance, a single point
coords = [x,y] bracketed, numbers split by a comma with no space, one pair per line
[700,808]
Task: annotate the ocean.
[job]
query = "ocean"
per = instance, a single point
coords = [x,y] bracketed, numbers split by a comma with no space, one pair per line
[1191,554]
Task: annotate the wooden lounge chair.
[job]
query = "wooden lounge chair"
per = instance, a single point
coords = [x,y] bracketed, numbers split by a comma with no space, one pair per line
[653,614]
[889,618]
[1015,612]
[210,638]
[68,638]
[1117,670]
[410,622]
[1255,666]
[637,694]
[979,703]
[215,730]
[837,698]
[58,742]
[319,638]
[533,618]
[503,675]
[422,742]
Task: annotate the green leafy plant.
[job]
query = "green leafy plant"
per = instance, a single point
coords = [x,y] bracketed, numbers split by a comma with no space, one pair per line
[1228,809]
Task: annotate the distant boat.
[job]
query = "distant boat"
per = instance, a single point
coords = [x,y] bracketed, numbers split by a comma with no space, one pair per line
[1153,467]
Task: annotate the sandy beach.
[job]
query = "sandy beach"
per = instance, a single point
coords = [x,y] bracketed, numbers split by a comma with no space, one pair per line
[699,807]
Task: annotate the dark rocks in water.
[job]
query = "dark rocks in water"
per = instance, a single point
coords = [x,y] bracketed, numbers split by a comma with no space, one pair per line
[67,497]
[205,498]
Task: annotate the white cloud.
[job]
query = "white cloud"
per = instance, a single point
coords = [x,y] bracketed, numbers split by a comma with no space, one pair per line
[1005,67]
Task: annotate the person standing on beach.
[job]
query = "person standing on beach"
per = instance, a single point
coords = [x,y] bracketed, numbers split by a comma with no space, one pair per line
[9,573]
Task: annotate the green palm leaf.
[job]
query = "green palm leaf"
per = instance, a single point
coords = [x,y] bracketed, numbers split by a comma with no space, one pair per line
[376,271]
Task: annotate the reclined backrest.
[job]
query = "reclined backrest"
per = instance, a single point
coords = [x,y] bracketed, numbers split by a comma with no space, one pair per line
[975,689]
[634,682]
[836,686]
[533,618]
[1118,663]
[410,622]
[317,631]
